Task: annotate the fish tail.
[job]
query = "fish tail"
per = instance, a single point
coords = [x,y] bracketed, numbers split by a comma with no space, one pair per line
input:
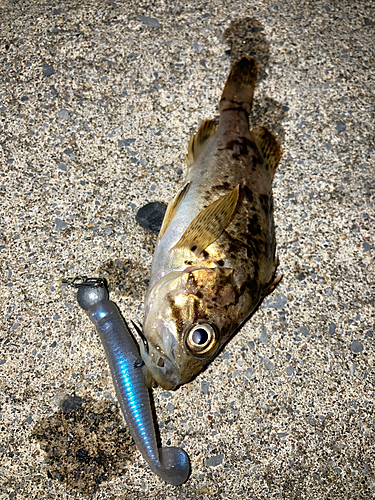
[239,89]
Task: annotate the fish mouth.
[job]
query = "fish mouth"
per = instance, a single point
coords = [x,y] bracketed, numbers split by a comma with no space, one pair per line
[164,371]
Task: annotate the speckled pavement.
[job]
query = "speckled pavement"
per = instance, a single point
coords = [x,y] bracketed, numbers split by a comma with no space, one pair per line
[97,104]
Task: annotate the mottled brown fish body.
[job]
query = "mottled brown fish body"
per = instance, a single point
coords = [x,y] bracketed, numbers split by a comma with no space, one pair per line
[215,259]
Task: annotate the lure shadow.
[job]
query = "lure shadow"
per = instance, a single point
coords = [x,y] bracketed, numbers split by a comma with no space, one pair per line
[128,277]
[85,444]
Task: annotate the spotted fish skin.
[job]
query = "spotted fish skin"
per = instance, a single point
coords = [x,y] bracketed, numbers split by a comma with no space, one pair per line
[215,258]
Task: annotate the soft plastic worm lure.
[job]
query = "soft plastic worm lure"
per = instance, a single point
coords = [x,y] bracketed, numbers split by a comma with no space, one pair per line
[169,463]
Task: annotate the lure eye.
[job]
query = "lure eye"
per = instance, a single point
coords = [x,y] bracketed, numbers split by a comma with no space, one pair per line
[200,339]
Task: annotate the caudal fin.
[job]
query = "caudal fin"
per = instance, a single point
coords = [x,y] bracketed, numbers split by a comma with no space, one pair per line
[239,88]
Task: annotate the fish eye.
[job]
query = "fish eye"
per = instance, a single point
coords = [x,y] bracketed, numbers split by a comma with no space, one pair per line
[200,339]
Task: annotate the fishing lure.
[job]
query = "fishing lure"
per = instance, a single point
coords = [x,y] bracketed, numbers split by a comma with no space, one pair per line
[170,463]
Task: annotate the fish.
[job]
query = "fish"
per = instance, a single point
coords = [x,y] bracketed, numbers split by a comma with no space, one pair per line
[215,256]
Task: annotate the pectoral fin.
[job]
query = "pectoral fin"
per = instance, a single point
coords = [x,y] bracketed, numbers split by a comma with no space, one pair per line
[209,223]
[198,141]
[271,286]
[171,208]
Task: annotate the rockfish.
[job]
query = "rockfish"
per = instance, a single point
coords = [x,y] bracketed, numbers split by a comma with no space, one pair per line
[215,257]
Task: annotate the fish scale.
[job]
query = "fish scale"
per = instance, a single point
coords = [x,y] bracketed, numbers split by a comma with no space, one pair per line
[215,257]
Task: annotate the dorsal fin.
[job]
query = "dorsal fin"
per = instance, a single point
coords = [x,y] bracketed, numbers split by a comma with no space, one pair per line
[268,147]
[171,208]
[198,141]
[209,223]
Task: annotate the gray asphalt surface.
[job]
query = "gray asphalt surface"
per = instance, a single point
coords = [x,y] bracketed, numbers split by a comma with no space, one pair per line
[97,103]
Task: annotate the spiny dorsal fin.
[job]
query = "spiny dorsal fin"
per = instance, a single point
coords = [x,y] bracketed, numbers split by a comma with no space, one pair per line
[209,223]
[268,147]
[198,141]
[171,208]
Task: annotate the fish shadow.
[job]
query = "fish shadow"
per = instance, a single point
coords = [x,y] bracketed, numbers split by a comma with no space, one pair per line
[246,38]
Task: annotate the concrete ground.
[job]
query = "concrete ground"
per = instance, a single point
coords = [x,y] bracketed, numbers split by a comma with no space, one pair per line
[97,103]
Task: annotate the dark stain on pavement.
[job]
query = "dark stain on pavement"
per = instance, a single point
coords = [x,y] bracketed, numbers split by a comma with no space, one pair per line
[85,444]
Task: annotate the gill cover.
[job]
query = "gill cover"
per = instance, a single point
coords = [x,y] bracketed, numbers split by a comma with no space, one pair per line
[187,320]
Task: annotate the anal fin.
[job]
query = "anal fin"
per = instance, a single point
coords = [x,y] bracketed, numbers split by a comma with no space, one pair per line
[209,223]
[171,208]
[198,141]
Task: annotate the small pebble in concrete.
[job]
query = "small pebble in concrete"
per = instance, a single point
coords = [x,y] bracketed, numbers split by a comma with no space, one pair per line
[150,21]
[352,368]
[356,346]
[48,70]
[205,386]
[263,335]
[198,47]
[125,142]
[214,461]
[267,363]
[63,114]
[302,330]
[60,224]
[278,302]
[289,370]
[366,246]
[331,328]
[340,126]
[170,407]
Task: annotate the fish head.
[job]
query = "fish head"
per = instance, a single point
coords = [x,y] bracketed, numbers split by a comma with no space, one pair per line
[189,316]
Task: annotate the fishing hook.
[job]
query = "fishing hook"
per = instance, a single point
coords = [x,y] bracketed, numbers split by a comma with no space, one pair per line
[139,330]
